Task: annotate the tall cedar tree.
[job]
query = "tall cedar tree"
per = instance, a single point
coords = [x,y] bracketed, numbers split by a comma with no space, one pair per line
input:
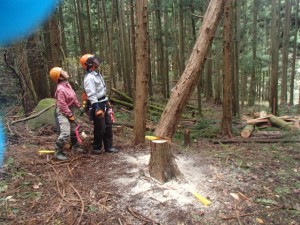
[187,82]
[142,72]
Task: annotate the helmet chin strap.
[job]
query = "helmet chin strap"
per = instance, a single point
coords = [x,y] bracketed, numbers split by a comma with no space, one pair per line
[65,76]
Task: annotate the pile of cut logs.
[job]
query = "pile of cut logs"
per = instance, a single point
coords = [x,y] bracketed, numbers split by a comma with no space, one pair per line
[262,119]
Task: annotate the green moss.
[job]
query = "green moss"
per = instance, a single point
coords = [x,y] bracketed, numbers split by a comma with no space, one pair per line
[46,118]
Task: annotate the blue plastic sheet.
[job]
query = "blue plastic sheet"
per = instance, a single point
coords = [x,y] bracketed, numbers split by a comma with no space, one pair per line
[20,18]
[2,145]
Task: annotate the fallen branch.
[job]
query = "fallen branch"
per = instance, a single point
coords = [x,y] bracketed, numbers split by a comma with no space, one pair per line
[249,214]
[141,217]
[32,116]
[82,203]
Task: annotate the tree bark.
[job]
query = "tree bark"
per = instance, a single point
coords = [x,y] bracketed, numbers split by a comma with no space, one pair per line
[285,51]
[283,124]
[36,67]
[89,26]
[247,131]
[162,164]
[186,84]
[274,59]
[181,57]
[236,60]
[80,28]
[293,67]
[141,92]
[252,89]
[226,126]
[187,138]
[208,77]
[218,72]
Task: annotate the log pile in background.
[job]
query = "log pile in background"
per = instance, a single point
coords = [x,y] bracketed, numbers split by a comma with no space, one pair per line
[289,123]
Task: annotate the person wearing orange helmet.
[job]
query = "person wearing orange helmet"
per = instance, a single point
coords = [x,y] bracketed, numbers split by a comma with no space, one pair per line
[66,101]
[100,112]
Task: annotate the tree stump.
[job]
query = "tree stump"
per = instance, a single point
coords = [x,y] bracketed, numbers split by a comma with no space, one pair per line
[119,130]
[162,164]
[187,138]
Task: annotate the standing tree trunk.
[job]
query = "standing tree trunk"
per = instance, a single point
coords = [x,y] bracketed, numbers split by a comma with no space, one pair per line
[16,61]
[208,78]
[53,47]
[218,78]
[236,65]
[187,82]
[62,24]
[102,42]
[160,49]
[285,51]
[181,36]
[109,41]
[80,28]
[132,34]
[142,70]
[226,128]
[125,56]
[199,97]
[294,57]
[90,39]
[274,59]
[37,67]
[252,92]
[166,57]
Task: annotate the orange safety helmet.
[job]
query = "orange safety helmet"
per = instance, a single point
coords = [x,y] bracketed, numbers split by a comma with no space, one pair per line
[84,59]
[55,73]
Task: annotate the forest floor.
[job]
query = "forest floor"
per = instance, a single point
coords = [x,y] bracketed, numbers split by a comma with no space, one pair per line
[246,182]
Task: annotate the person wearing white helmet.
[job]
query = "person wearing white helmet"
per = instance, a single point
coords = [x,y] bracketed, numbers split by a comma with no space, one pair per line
[66,101]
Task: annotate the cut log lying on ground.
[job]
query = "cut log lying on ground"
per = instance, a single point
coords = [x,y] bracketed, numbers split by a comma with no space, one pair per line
[258,121]
[283,124]
[247,130]
[266,119]
[271,120]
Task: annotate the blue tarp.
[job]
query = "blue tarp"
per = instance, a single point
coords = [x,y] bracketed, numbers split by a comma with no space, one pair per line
[20,18]
[2,145]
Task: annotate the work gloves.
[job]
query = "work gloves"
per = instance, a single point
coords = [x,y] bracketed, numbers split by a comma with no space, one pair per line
[98,111]
[71,119]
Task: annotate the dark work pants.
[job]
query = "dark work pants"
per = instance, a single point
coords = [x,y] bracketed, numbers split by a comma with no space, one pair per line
[103,129]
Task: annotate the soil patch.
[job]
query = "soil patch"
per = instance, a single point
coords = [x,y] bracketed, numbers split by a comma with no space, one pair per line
[247,183]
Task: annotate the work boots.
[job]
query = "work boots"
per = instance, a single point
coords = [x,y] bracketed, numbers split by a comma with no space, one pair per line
[111,150]
[60,155]
[77,148]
